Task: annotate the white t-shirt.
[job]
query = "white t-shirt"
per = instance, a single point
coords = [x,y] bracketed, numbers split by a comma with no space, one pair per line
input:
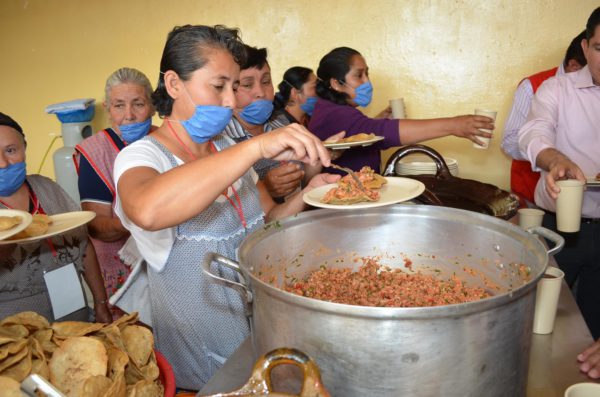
[155,246]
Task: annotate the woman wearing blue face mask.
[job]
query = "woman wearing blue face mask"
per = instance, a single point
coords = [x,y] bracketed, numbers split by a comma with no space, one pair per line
[129,107]
[253,117]
[343,85]
[23,266]
[297,96]
[187,189]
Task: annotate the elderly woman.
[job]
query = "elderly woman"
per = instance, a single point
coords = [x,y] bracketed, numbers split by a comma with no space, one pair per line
[344,85]
[127,101]
[23,266]
[187,190]
[297,96]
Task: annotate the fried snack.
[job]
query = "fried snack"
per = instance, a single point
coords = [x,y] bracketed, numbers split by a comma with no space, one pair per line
[8,222]
[10,387]
[348,192]
[76,360]
[363,136]
[29,344]
[38,226]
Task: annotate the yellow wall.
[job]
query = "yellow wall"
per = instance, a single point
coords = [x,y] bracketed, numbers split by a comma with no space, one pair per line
[444,57]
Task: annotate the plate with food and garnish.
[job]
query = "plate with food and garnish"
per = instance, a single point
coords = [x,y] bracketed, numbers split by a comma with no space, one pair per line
[12,222]
[362,139]
[377,191]
[44,226]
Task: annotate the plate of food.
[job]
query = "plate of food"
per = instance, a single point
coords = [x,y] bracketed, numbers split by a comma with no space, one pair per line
[362,139]
[378,191]
[593,180]
[12,222]
[44,226]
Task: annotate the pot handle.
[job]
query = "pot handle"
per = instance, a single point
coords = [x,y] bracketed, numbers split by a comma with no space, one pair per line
[548,234]
[260,380]
[443,172]
[240,287]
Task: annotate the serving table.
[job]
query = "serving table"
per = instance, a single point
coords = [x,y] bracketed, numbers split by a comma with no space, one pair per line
[552,364]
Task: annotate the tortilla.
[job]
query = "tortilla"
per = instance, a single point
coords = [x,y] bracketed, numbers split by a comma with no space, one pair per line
[8,222]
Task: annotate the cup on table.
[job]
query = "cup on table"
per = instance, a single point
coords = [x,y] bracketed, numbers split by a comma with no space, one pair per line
[486,141]
[546,300]
[398,109]
[587,389]
[568,205]
[530,217]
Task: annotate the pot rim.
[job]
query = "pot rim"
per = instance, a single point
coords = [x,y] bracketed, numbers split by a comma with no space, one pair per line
[533,243]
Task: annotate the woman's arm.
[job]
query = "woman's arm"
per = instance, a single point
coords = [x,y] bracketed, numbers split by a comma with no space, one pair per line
[104,226]
[414,131]
[93,278]
[156,201]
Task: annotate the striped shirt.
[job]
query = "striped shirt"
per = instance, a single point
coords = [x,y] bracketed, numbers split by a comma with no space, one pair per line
[518,117]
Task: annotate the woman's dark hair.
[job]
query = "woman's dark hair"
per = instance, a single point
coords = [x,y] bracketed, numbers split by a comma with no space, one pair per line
[334,65]
[592,23]
[294,77]
[574,51]
[186,51]
[8,121]
[255,58]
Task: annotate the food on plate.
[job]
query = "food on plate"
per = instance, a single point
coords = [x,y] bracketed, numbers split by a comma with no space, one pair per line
[80,359]
[38,226]
[376,285]
[10,387]
[348,192]
[363,136]
[8,222]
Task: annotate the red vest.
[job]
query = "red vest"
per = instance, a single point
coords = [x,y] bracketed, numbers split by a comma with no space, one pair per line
[522,179]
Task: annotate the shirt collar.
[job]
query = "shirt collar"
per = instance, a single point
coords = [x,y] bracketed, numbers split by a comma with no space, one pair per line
[583,78]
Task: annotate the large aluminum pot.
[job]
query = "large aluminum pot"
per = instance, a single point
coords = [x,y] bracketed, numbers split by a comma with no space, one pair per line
[473,349]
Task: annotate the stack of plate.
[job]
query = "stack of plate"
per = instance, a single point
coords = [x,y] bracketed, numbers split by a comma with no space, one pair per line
[419,165]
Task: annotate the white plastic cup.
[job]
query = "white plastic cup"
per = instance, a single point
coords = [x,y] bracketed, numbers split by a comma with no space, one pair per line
[568,205]
[587,389]
[530,217]
[486,141]
[546,300]
[398,109]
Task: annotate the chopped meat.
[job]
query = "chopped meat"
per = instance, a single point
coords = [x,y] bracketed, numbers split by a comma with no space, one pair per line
[376,285]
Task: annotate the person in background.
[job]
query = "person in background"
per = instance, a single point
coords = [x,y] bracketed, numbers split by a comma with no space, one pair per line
[561,138]
[254,98]
[129,106]
[522,178]
[343,85]
[187,190]
[24,265]
[297,96]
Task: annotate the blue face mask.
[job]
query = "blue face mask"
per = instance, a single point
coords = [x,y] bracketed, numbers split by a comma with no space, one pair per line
[309,106]
[258,112]
[132,132]
[364,94]
[207,121]
[11,178]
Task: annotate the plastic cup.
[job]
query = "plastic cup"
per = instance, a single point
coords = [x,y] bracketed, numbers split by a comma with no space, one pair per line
[486,141]
[398,109]
[546,300]
[530,217]
[568,205]
[583,390]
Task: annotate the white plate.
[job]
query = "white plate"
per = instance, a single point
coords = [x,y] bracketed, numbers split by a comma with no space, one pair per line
[591,181]
[396,190]
[26,220]
[347,145]
[61,223]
